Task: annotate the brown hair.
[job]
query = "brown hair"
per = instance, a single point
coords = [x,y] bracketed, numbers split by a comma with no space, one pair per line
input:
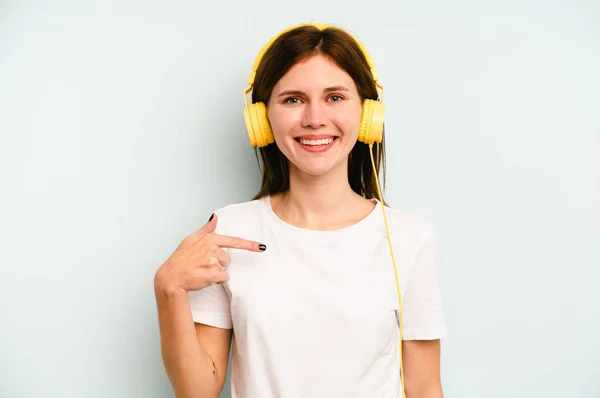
[286,51]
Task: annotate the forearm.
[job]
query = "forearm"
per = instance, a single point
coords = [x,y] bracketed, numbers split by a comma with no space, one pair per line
[433,392]
[188,366]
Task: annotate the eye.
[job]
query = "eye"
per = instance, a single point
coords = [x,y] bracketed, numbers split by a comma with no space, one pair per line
[291,100]
[336,98]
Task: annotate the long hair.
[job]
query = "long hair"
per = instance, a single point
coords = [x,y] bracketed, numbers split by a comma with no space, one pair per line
[286,51]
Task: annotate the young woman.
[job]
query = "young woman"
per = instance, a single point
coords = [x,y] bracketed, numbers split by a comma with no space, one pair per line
[301,278]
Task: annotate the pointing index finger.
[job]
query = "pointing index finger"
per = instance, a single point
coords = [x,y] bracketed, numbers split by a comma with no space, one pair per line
[234,242]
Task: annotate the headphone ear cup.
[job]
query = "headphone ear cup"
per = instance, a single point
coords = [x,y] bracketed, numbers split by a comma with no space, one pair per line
[258,126]
[250,125]
[264,125]
[371,124]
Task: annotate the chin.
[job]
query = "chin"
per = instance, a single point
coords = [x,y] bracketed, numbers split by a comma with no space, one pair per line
[316,170]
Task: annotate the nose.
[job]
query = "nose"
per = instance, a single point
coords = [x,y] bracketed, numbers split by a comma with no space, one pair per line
[314,115]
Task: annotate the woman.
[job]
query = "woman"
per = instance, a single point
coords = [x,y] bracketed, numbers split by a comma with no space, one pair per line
[303,275]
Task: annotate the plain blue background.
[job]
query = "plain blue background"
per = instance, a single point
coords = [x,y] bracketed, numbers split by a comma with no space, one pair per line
[121,129]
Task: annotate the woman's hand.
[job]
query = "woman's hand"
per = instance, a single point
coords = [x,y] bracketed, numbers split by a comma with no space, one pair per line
[199,259]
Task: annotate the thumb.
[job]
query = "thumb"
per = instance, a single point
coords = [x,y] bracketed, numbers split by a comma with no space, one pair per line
[210,225]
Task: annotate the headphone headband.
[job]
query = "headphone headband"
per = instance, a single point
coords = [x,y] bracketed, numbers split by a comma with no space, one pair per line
[321,27]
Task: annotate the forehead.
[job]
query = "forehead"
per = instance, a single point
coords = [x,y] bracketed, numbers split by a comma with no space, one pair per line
[315,72]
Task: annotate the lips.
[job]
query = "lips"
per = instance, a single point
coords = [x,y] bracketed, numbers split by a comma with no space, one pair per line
[314,143]
[316,139]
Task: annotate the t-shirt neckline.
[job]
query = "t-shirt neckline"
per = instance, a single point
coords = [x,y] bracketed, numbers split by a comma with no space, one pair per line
[357,228]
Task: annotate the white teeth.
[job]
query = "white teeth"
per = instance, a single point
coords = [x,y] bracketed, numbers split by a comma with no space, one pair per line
[325,141]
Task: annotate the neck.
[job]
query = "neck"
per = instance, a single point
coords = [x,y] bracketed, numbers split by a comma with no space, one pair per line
[321,203]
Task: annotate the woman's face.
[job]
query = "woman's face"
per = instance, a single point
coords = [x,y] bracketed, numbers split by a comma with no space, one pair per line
[315,113]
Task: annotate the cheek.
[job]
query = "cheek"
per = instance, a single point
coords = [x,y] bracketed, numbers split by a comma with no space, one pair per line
[283,120]
[348,122]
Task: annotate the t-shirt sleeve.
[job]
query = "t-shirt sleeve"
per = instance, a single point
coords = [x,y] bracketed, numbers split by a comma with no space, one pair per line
[210,306]
[423,317]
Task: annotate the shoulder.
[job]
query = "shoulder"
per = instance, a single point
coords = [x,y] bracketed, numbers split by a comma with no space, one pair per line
[409,221]
[239,208]
[409,228]
[236,216]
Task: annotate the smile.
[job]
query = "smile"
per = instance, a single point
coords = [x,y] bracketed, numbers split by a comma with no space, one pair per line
[325,141]
[318,145]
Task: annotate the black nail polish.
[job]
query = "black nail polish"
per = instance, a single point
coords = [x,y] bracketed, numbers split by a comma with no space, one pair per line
[211,217]
[262,247]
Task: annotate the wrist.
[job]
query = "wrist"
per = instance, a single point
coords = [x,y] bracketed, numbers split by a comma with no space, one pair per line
[165,288]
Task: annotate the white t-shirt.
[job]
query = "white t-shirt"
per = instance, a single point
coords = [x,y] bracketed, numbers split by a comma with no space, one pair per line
[315,315]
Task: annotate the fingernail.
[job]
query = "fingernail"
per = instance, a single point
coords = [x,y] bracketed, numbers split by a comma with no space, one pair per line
[262,247]
[211,217]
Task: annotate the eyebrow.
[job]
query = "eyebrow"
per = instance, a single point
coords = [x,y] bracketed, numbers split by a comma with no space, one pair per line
[326,90]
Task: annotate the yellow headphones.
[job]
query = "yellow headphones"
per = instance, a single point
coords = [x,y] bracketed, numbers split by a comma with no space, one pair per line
[255,115]
[371,131]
